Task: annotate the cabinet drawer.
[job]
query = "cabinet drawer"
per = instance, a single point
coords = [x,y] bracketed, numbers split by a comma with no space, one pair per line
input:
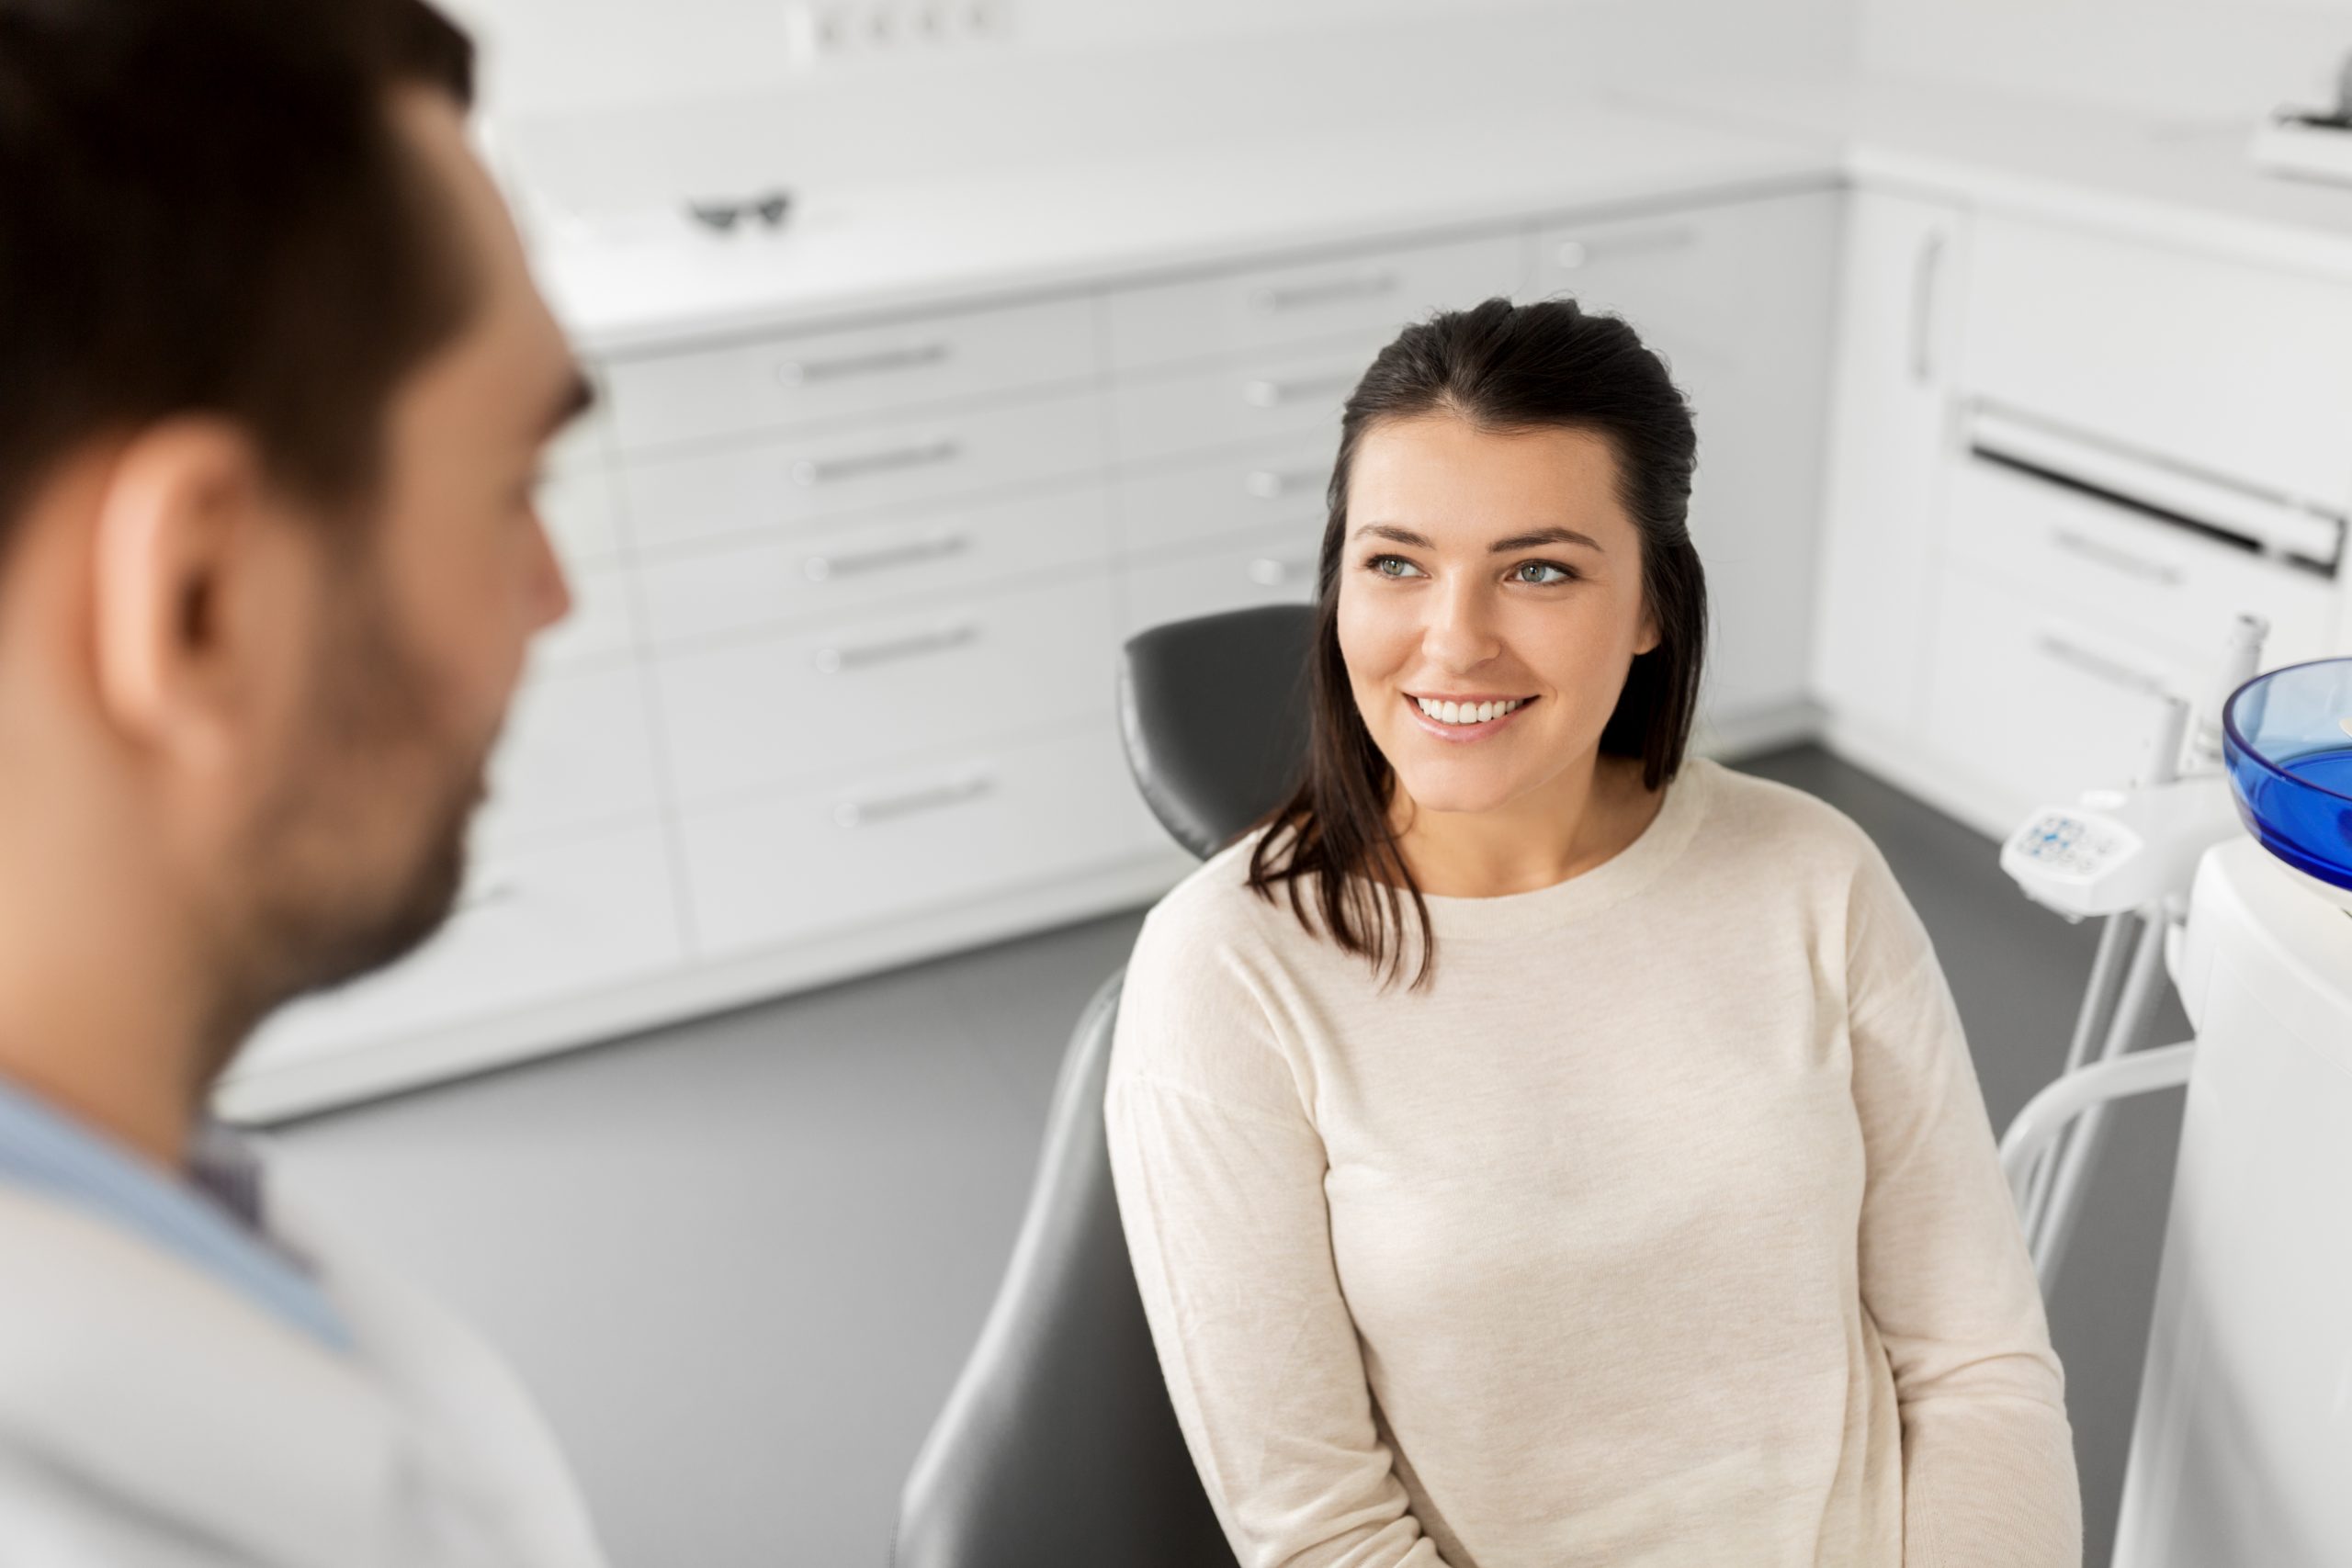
[603,622]
[533,927]
[1297,397]
[576,755]
[742,587]
[765,713]
[1276,567]
[2039,699]
[823,861]
[1273,488]
[2219,366]
[1702,282]
[809,378]
[1369,295]
[749,490]
[2161,583]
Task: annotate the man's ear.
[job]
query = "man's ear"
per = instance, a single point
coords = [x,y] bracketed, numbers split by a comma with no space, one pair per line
[182,514]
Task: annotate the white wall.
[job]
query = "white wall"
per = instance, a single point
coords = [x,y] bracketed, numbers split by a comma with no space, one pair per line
[564,56]
[2196,59]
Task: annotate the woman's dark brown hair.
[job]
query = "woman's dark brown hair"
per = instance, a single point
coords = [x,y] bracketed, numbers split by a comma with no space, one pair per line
[1503,367]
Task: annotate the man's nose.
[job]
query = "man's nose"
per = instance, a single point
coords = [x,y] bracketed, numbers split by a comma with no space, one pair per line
[548,589]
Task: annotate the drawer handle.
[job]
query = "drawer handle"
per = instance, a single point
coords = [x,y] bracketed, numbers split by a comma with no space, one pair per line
[932,547]
[1925,270]
[1274,572]
[835,660]
[2114,672]
[884,807]
[812,471]
[1273,484]
[1574,253]
[2120,560]
[880,362]
[1326,291]
[1265,394]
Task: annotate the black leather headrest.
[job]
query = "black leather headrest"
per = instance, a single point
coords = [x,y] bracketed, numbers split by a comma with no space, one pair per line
[1214,711]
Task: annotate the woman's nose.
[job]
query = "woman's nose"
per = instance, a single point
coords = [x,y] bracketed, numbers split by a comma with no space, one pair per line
[1459,633]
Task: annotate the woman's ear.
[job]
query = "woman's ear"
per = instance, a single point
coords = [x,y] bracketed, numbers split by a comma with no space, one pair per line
[1648,635]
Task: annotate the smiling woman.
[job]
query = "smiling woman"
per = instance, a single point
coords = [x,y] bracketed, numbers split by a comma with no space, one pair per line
[1666,1224]
[1507,596]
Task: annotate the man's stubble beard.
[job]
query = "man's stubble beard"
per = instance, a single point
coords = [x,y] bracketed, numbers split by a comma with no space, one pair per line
[322,906]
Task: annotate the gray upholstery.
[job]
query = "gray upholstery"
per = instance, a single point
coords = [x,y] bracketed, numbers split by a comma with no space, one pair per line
[1214,712]
[1059,1448]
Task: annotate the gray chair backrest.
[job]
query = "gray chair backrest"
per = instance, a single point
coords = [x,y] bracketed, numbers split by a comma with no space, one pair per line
[1059,1448]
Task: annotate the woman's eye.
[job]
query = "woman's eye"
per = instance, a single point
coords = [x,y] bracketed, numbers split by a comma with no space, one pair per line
[1546,572]
[1392,566]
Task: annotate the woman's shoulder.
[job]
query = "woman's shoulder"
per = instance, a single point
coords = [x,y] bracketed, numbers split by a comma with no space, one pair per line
[1798,830]
[1214,909]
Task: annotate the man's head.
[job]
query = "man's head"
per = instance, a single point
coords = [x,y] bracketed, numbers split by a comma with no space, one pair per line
[274,387]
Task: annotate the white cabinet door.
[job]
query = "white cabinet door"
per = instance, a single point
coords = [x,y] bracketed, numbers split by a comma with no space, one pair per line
[1888,424]
[1737,298]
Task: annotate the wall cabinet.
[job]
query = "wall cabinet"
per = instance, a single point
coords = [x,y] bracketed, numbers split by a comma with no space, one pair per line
[1890,408]
[2063,465]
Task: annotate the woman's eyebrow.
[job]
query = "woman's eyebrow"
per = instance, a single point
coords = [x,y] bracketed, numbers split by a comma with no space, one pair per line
[1516,542]
[1544,537]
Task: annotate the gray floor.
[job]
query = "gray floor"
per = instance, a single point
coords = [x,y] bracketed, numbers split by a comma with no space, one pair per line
[740,1261]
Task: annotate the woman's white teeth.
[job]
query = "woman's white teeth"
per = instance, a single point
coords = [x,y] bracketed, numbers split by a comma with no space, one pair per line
[1467,713]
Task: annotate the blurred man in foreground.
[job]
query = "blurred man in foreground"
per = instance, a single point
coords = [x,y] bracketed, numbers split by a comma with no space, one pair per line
[274,384]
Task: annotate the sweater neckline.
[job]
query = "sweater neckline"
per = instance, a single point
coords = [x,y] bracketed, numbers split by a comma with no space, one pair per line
[1579,897]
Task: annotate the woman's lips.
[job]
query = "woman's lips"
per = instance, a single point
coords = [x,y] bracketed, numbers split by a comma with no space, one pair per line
[1461,734]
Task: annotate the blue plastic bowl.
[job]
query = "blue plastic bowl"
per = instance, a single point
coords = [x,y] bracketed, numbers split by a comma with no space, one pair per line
[2289,753]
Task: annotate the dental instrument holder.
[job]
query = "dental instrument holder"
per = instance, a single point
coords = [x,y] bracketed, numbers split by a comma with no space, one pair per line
[2128,855]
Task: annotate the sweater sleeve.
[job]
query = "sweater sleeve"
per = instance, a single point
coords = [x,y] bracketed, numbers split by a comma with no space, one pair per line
[1219,1175]
[1988,1459]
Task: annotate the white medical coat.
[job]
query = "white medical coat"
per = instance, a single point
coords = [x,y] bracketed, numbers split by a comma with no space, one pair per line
[152,1417]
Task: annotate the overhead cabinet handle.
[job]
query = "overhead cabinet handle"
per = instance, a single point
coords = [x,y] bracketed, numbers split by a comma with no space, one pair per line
[1325,291]
[1274,572]
[836,660]
[876,362]
[2109,556]
[2114,672]
[1572,254]
[1271,394]
[932,547]
[2161,487]
[1273,484]
[812,471]
[866,810]
[1925,268]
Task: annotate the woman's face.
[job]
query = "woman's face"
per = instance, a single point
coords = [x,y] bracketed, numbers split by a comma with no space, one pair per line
[1495,577]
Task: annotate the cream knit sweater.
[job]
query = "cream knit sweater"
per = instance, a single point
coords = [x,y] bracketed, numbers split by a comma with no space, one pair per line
[1667,1228]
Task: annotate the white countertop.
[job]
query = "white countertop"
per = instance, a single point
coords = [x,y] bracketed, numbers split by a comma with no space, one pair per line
[888,247]
[1342,172]
[2185,180]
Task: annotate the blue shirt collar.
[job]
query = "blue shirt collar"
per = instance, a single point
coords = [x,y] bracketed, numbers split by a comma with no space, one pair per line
[212,1220]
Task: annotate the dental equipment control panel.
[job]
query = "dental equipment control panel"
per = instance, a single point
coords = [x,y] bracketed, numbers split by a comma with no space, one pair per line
[2119,850]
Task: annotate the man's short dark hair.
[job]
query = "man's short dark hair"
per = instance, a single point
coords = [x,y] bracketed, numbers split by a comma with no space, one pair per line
[205,208]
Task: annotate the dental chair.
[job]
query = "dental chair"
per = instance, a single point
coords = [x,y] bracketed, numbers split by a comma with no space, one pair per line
[1058,1447]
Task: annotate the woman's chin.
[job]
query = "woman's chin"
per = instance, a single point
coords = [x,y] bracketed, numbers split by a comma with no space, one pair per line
[1432,790]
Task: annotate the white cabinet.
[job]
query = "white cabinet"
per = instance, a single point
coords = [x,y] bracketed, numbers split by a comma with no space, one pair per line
[1889,414]
[1737,297]
[1369,294]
